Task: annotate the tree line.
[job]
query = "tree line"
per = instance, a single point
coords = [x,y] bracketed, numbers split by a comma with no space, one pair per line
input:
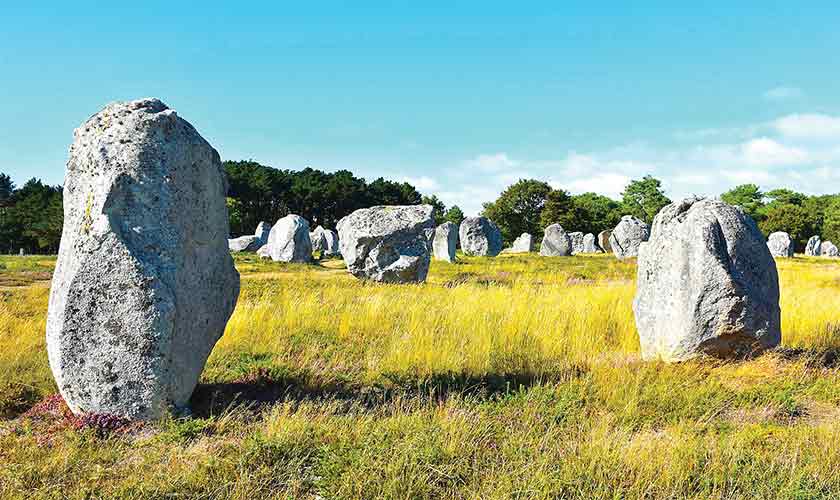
[31,216]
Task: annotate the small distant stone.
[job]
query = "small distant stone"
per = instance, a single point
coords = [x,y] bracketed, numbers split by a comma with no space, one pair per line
[828,249]
[330,246]
[317,239]
[262,232]
[627,236]
[480,237]
[446,242]
[589,244]
[556,242]
[812,248]
[289,240]
[263,252]
[577,242]
[604,241]
[244,244]
[523,244]
[780,244]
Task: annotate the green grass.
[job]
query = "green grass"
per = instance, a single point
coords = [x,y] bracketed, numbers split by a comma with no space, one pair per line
[515,377]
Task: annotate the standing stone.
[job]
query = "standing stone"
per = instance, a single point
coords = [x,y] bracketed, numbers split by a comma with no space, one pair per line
[330,246]
[813,247]
[480,236]
[144,284]
[828,249]
[523,244]
[262,232]
[589,245]
[556,242]
[780,244]
[604,241]
[264,252]
[389,244]
[248,243]
[577,242]
[317,239]
[707,284]
[22,253]
[446,241]
[627,236]
[289,240]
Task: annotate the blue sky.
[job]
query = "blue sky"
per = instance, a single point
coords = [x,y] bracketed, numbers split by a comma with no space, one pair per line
[460,98]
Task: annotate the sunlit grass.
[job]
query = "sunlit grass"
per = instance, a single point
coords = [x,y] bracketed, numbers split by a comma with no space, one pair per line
[510,377]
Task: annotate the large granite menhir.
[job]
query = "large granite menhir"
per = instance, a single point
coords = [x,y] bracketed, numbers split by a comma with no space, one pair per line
[480,237]
[390,244]
[627,236]
[289,240]
[445,242]
[707,284]
[556,242]
[144,284]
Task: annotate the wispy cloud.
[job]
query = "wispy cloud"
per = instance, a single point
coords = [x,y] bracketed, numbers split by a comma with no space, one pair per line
[783,93]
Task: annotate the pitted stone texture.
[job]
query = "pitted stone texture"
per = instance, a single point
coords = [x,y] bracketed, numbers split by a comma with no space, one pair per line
[577,242]
[627,236]
[317,238]
[480,237]
[780,244]
[144,284]
[244,244]
[556,242]
[289,240]
[523,244]
[589,245]
[389,244]
[707,284]
[813,247]
[828,249]
[446,241]
[262,232]
[604,241]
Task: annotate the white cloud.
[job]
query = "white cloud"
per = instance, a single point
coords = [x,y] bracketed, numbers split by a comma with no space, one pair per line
[422,183]
[783,93]
[767,152]
[809,126]
[498,162]
[608,183]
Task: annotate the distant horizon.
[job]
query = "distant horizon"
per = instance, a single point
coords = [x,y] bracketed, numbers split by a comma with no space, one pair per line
[459,100]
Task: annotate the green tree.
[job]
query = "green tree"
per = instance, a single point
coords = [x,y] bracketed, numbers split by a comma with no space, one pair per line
[747,196]
[831,221]
[7,188]
[439,212]
[519,209]
[454,215]
[593,213]
[789,218]
[558,209]
[644,198]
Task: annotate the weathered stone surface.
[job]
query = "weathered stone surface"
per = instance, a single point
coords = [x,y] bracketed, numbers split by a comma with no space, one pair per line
[317,238]
[144,284]
[262,232]
[331,247]
[445,242]
[589,245]
[480,236]
[828,249]
[813,246]
[390,244]
[263,252]
[249,243]
[523,244]
[604,241]
[780,244]
[556,242]
[577,242]
[627,236]
[707,284]
[289,240]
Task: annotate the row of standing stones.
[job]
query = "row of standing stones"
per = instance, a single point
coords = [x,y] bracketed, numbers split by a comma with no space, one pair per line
[145,283]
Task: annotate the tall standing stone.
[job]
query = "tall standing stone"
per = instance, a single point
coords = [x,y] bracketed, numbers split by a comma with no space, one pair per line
[589,245]
[780,244]
[446,241]
[523,244]
[289,240]
[262,232]
[144,284]
[707,284]
[390,244]
[331,247]
[577,242]
[604,241]
[556,242]
[813,247]
[828,249]
[317,238]
[480,236]
[627,236]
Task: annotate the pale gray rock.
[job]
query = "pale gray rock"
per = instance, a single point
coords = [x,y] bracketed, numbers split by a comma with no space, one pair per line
[707,284]
[828,249]
[318,239]
[249,243]
[556,242]
[627,236]
[589,245]
[264,252]
[604,241]
[577,242]
[445,242]
[289,240]
[331,247]
[479,236]
[780,244]
[523,244]
[813,247]
[389,244]
[262,232]
[144,284]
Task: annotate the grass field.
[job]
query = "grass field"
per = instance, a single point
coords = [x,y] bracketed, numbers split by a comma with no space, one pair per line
[515,377]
